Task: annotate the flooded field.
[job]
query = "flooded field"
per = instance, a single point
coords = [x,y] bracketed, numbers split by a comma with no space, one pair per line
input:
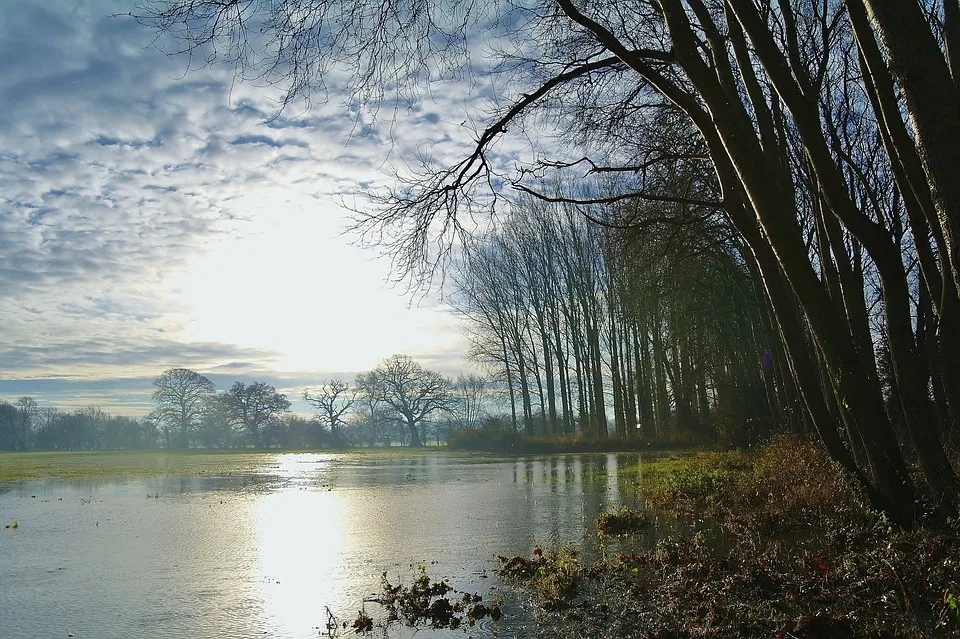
[266,552]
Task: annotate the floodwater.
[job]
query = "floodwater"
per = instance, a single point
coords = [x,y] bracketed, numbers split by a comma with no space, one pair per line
[268,554]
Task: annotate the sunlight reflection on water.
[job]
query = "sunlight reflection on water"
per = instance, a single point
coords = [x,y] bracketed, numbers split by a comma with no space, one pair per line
[263,553]
[301,542]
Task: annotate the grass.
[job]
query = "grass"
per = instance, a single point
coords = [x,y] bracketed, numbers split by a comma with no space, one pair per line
[498,440]
[622,521]
[552,577]
[17,467]
[102,464]
[787,484]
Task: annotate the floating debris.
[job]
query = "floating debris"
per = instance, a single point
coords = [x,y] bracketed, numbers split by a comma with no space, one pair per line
[363,622]
[14,525]
[622,521]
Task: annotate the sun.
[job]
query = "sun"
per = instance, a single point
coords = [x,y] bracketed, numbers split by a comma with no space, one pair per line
[289,282]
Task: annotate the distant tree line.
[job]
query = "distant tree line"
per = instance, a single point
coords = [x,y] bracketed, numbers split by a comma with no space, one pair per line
[24,425]
[399,402]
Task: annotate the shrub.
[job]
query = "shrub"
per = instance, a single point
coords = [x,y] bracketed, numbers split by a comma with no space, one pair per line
[486,439]
[551,576]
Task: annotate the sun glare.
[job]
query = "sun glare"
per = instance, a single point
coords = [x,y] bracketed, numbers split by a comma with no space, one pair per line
[289,283]
[301,550]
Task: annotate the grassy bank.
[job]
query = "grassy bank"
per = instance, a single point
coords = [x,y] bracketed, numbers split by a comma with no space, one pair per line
[101,464]
[804,557]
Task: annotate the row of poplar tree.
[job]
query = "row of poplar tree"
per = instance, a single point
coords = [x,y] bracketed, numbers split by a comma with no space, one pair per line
[659,333]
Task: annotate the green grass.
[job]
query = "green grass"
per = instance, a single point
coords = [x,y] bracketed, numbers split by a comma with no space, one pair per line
[103,464]
[498,440]
[15,467]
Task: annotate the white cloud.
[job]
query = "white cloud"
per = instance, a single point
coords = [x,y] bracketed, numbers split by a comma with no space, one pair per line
[150,219]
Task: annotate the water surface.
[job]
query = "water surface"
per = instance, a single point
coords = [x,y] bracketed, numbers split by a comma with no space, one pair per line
[265,554]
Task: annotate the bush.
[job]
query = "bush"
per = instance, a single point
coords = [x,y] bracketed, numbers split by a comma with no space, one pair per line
[505,440]
[787,483]
[552,576]
[496,440]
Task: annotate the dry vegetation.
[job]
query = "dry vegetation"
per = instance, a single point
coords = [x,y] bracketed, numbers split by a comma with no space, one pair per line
[803,557]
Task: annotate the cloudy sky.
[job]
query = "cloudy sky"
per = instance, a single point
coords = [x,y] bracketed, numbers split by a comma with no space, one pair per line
[152,218]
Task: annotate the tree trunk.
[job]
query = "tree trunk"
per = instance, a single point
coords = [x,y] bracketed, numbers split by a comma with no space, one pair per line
[415,441]
[933,104]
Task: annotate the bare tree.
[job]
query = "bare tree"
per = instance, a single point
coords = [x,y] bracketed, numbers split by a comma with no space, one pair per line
[333,400]
[8,426]
[253,406]
[471,391]
[372,420]
[181,396]
[155,423]
[215,429]
[28,409]
[412,391]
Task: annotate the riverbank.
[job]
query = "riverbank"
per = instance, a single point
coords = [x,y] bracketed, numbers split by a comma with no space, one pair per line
[106,464]
[804,557]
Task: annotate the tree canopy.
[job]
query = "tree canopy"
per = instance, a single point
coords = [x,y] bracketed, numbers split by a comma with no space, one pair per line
[253,406]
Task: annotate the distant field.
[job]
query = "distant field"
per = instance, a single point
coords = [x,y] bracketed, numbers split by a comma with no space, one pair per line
[132,463]
[17,467]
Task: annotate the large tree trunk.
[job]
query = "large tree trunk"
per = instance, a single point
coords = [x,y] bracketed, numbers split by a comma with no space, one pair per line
[933,104]
[415,441]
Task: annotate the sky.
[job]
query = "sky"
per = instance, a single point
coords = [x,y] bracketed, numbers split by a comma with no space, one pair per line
[153,218]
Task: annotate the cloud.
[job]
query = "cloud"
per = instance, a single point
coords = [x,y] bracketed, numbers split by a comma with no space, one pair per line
[119,174]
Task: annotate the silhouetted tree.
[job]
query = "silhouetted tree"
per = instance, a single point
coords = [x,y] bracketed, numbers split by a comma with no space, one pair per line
[181,397]
[332,400]
[27,409]
[412,391]
[254,406]
[8,426]
[470,392]
[216,428]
